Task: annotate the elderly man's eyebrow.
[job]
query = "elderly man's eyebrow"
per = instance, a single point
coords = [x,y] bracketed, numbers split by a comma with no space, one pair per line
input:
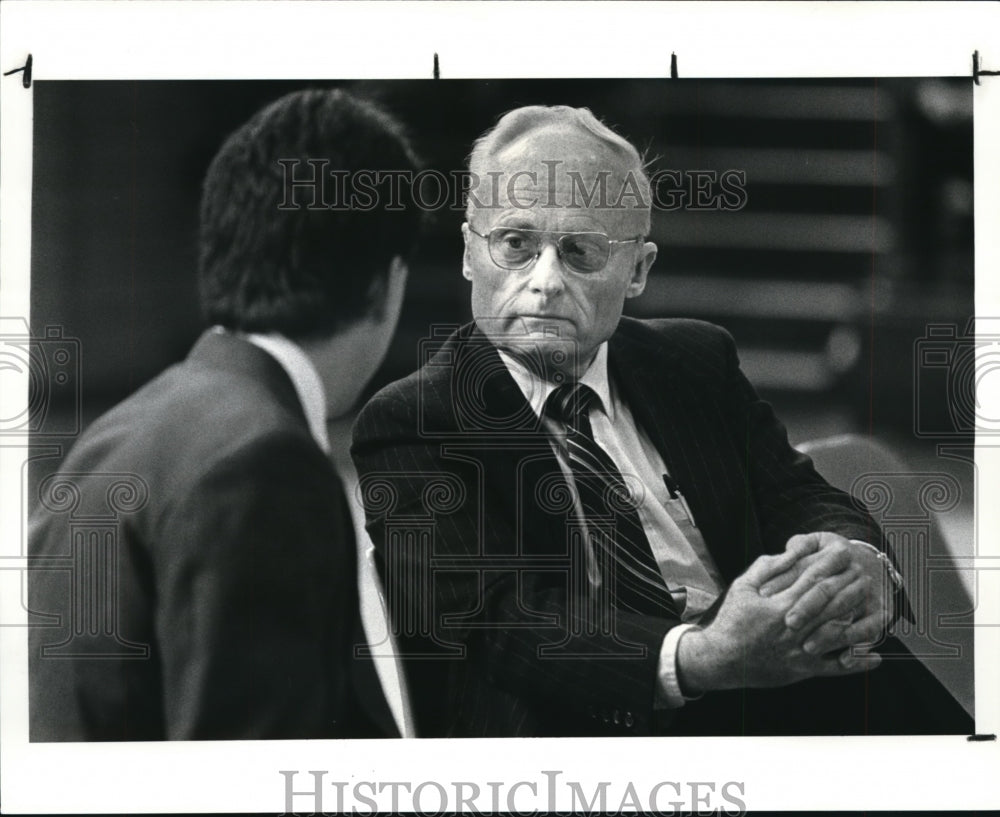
[519,220]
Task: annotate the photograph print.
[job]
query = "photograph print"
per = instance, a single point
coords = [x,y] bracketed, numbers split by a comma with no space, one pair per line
[500,408]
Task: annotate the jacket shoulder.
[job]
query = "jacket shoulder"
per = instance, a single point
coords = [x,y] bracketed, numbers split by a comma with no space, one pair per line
[698,349]
[675,330]
[422,395]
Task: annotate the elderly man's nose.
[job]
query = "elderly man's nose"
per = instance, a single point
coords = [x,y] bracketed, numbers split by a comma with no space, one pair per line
[546,274]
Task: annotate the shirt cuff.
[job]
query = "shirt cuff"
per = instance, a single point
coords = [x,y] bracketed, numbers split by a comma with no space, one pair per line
[668,690]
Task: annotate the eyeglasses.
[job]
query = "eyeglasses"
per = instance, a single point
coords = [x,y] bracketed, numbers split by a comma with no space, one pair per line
[514,248]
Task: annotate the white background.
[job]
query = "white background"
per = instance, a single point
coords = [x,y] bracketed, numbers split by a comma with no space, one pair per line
[181,40]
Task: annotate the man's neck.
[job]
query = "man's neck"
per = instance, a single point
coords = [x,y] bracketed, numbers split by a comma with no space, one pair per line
[336,358]
[536,389]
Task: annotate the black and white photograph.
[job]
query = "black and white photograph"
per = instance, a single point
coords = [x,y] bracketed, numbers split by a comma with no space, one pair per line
[377,424]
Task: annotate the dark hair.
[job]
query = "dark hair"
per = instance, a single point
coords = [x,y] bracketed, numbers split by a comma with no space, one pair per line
[270,262]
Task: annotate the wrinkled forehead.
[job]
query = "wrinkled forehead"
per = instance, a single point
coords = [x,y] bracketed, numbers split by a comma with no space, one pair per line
[563,173]
[568,144]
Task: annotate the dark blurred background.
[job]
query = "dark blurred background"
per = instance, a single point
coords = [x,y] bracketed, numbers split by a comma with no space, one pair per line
[856,234]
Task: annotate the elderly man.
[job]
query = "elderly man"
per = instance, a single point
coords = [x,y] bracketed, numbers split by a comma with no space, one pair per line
[592,525]
[236,609]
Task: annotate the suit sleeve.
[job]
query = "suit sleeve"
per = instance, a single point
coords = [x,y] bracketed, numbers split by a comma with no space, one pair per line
[790,496]
[256,597]
[525,612]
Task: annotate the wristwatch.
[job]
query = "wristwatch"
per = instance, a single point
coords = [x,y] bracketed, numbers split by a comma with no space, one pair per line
[894,575]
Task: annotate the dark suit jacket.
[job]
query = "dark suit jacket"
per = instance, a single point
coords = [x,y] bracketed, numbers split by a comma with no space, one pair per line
[488,564]
[215,596]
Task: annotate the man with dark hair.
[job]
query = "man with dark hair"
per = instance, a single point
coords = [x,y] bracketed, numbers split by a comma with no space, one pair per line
[592,525]
[231,604]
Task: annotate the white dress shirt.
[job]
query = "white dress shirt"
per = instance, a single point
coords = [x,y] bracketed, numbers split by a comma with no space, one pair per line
[680,552]
[304,377]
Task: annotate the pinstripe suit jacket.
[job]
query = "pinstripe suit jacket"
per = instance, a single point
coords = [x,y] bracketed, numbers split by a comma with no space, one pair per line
[473,543]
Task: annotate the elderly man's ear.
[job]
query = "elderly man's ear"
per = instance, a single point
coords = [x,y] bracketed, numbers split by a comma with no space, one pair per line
[387,293]
[466,260]
[641,271]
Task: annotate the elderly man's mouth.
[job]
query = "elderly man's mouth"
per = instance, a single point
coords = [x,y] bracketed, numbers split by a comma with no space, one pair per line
[546,318]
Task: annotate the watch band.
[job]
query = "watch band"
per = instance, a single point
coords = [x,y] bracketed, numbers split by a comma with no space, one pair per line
[894,575]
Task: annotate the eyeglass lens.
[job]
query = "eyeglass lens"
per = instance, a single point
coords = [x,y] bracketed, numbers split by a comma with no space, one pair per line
[515,249]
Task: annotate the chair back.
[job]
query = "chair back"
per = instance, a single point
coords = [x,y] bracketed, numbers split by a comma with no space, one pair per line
[907,504]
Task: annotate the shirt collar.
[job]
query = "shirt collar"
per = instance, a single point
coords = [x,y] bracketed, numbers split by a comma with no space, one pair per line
[304,377]
[536,390]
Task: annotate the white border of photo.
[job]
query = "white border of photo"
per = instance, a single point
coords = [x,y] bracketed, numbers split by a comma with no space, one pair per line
[308,40]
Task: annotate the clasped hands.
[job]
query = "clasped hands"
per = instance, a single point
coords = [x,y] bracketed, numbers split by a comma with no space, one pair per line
[800,614]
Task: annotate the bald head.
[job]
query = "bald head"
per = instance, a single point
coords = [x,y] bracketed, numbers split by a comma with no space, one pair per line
[558,158]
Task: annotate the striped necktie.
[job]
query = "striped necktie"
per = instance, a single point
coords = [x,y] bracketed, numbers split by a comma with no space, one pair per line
[608,507]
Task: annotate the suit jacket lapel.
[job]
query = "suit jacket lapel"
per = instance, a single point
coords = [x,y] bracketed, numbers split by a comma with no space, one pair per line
[664,404]
[684,431]
[485,391]
[514,447]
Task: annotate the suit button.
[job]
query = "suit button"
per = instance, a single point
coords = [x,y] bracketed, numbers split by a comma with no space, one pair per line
[629,720]
[617,717]
[605,716]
